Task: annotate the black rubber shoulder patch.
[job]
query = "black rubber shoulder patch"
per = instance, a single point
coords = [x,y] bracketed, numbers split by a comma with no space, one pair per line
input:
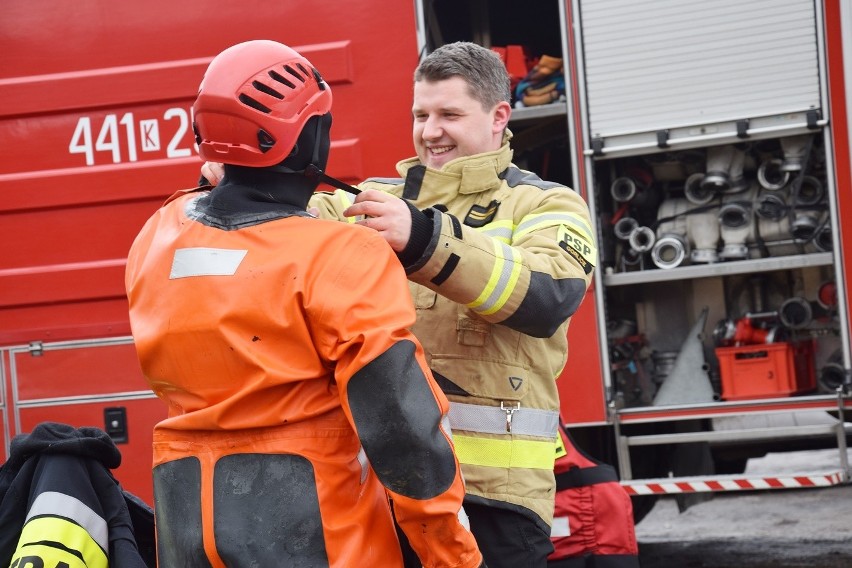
[397,419]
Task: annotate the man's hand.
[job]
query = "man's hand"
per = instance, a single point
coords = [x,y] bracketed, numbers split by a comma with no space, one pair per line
[384,213]
[213,172]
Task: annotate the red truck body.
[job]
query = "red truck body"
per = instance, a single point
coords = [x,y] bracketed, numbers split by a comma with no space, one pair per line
[95,132]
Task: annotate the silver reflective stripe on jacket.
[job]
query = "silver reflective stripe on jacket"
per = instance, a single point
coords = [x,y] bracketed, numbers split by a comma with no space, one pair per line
[52,503]
[497,420]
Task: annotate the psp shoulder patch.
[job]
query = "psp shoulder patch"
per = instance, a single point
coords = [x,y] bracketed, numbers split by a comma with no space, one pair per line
[578,246]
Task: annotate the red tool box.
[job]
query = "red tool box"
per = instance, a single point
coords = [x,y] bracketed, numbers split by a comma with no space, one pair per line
[770,369]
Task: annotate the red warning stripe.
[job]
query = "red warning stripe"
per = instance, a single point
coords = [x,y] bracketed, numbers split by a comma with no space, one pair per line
[701,485]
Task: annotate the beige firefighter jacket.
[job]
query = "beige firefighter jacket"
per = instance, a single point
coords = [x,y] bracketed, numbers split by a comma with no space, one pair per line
[509,261]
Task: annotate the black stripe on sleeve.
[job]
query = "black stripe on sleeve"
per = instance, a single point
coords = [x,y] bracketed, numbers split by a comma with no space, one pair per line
[457,230]
[447,270]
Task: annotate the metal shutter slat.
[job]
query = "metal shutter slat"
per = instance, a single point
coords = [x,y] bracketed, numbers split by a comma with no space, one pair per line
[685,64]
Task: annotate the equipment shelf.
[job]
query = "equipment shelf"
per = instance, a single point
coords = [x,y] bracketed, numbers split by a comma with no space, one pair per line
[719,269]
[537,112]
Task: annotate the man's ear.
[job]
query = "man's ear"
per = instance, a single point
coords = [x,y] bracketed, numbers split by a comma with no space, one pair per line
[502,114]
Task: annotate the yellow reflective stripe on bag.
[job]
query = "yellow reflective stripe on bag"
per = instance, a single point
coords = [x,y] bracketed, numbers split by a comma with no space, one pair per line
[491,452]
[78,548]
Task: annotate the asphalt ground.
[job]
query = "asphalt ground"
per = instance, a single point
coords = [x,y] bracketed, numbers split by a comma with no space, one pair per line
[783,528]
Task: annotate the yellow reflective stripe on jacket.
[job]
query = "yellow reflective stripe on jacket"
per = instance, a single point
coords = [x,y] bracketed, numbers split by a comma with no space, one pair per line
[544,220]
[38,555]
[54,502]
[491,452]
[501,283]
[76,544]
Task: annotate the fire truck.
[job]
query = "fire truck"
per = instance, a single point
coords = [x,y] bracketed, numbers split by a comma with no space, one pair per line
[710,139]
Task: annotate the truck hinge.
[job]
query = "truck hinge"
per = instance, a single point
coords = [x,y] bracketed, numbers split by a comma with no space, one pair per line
[36,348]
[663,138]
[813,117]
[742,128]
[597,146]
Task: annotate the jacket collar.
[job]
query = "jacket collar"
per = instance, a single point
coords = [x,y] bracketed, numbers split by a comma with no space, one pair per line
[469,174]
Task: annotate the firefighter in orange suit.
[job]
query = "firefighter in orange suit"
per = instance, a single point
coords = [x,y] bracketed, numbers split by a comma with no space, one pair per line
[298,399]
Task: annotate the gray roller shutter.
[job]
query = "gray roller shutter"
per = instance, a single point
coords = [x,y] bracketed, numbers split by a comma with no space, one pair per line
[673,71]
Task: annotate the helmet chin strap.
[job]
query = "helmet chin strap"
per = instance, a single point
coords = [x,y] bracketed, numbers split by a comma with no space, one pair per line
[313,172]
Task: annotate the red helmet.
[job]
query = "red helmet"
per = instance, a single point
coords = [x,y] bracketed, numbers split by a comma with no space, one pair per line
[253,102]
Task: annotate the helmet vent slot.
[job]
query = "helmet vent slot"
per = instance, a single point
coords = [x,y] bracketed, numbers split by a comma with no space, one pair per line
[266,89]
[295,73]
[248,101]
[281,79]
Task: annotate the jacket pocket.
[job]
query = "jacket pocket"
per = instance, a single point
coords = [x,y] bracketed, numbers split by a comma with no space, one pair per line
[472,332]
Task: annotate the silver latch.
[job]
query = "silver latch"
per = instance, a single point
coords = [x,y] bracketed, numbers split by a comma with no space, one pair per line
[510,411]
[36,348]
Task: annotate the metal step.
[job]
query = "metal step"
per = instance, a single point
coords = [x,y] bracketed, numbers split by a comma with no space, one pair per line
[747,434]
[837,428]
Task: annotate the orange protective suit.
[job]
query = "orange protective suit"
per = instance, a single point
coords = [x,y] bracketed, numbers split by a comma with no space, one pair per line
[298,399]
